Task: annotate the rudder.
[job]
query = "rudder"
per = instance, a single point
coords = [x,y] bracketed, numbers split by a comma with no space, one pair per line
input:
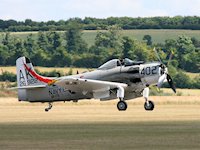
[26,76]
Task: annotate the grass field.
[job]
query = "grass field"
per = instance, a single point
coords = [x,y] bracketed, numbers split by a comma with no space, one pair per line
[183,92]
[102,136]
[174,124]
[158,36]
[192,75]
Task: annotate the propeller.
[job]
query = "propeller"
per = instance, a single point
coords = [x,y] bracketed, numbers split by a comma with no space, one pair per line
[161,80]
[157,55]
[171,84]
[164,73]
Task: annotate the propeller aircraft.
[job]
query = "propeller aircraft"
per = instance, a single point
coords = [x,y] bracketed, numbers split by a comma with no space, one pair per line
[123,79]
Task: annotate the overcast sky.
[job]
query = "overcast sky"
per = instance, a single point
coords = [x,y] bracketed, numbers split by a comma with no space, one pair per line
[44,10]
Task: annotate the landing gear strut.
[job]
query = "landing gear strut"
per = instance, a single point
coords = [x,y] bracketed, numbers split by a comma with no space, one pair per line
[48,108]
[148,105]
[121,105]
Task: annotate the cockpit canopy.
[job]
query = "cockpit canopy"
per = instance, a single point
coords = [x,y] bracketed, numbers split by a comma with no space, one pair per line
[117,62]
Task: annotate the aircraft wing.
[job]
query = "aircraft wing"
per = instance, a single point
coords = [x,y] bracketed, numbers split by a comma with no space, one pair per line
[99,89]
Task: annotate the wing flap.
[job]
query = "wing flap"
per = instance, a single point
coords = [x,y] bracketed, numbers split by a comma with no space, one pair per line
[101,94]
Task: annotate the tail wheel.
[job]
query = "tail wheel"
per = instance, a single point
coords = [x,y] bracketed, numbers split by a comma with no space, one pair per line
[122,105]
[149,106]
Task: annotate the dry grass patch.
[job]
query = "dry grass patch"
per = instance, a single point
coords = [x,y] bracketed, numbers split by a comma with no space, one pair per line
[183,92]
[174,124]
[166,108]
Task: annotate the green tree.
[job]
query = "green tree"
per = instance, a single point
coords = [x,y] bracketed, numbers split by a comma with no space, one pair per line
[196,82]
[6,39]
[181,80]
[42,41]
[19,49]
[40,57]
[185,48]
[87,60]
[140,52]
[54,40]
[74,41]
[109,39]
[102,40]
[148,39]
[4,55]
[196,42]
[29,44]
[184,45]
[115,37]
[61,58]
[192,62]
[109,44]
[127,46]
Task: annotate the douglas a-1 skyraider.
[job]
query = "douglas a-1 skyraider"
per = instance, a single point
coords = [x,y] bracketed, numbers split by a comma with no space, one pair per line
[123,79]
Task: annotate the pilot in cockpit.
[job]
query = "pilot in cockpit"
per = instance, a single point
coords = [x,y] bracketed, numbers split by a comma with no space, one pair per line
[120,62]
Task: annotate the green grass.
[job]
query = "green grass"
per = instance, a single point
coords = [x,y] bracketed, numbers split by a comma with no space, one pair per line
[98,136]
[158,36]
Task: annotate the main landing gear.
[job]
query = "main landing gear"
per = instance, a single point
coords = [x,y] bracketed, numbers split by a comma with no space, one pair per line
[148,105]
[121,105]
[48,108]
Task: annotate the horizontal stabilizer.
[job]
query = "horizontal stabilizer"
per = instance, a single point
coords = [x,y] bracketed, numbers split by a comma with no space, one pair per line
[28,87]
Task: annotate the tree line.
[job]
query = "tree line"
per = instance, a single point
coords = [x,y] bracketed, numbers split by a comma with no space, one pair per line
[88,23]
[70,50]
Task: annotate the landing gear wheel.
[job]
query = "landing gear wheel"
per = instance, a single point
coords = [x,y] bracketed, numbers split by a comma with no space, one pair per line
[122,105]
[48,108]
[149,106]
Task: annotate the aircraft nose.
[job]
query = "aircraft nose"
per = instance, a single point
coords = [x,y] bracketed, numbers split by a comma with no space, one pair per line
[163,69]
[165,77]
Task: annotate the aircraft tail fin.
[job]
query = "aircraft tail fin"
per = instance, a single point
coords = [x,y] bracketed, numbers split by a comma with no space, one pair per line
[26,75]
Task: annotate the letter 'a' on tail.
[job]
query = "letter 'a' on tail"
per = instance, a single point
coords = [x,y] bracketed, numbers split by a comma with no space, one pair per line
[26,75]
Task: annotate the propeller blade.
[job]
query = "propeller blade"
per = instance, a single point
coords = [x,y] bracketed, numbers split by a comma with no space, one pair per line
[157,55]
[170,57]
[161,80]
[171,84]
